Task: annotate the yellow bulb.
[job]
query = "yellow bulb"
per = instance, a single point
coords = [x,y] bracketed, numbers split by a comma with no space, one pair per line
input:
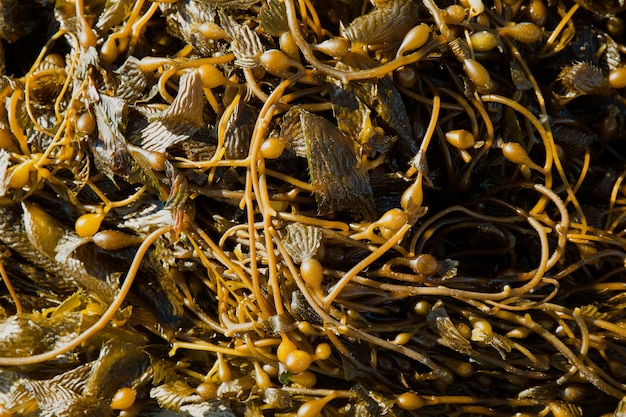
[109,51]
[20,174]
[519,332]
[323,351]
[460,138]
[425,264]
[391,222]
[406,76]
[114,239]
[306,379]
[478,74]
[537,12]
[53,60]
[403,338]
[289,46]
[298,361]
[271,370]
[212,31]
[279,205]
[414,39]
[618,369]
[285,347]
[123,398]
[88,224]
[274,60]
[272,148]
[413,196]
[262,379]
[313,408]
[306,328]
[617,78]
[86,37]
[525,32]
[484,326]
[515,153]
[86,124]
[207,390]
[464,369]
[335,47]
[453,14]
[410,401]
[483,41]
[223,370]
[312,273]
[525,172]
[211,77]
[422,308]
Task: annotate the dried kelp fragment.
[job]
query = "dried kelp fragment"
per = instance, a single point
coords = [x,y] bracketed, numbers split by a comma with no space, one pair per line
[238,132]
[302,241]
[387,22]
[370,403]
[40,395]
[163,291]
[449,336]
[277,397]
[573,140]
[174,395]
[115,12]
[245,44]
[181,120]
[109,147]
[303,309]
[372,111]
[386,101]
[340,181]
[354,119]
[560,408]
[501,343]
[64,394]
[131,81]
[580,79]
[51,399]
[353,116]
[273,18]
[47,83]
[85,269]
[611,58]
[183,18]
[145,219]
[34,333]
[129,362]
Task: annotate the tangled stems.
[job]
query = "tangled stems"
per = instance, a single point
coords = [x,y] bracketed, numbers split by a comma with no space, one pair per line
[104,319]
[528,322]
[347,76]
[424,270]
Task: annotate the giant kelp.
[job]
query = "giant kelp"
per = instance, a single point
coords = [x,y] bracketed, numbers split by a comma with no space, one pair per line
[302,208]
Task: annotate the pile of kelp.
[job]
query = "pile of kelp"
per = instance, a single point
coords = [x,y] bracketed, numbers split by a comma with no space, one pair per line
[301,208]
